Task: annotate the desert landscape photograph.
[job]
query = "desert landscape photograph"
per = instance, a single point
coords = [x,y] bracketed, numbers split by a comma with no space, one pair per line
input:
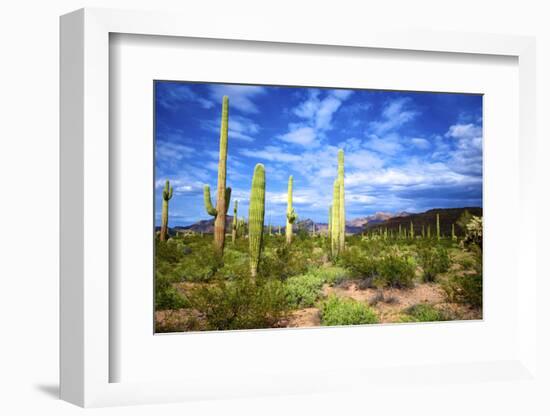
[298,207]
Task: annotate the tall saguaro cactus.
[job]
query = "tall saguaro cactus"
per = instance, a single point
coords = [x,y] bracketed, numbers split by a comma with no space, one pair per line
[329,227]
[341,195]
[290,213]
[256,214]
[335,232]
[437,226]
[412,230]
[453,235]
[223,194]
[166,196]
[235,224]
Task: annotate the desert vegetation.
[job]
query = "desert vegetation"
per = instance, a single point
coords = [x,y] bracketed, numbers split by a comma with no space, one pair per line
[393,272]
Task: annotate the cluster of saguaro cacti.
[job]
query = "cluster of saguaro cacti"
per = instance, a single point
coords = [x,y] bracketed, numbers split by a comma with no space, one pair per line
[256,215]
[166,196]
[290,213]
[338,210]
[223,194]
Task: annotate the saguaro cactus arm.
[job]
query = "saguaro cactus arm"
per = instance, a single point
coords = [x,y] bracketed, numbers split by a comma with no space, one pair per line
[208,203]
[167,191]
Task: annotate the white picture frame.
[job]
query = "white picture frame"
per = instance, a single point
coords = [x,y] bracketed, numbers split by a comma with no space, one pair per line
[86,356]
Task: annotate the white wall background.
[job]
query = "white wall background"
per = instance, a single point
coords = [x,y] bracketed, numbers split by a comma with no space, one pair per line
[29,206]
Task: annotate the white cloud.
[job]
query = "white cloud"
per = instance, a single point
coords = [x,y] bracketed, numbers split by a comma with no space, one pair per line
[167,152]
[363,159]
[319,112]
[240,128]
[272,153]
[464,131]
[394,115]
[420,143]
[389,144]
[175,95]
[240,96]
[303,136]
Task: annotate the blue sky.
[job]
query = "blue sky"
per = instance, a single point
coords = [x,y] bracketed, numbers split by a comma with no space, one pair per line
[404,151]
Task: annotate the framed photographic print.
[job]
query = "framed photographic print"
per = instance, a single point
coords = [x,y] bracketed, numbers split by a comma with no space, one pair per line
[332,206]
[248,215]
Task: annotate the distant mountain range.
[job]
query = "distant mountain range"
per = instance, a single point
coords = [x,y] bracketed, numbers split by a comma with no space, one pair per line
[391,221]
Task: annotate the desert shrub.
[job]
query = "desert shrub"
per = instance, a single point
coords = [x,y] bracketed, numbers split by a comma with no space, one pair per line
[338,311]
[433,261]
[282,261]
[333,275]
[464,288]
[166,296]
[303,290]
[423,312]
[167,252]
[395,270]
[240,304]
[199,266]
[235,264]
[358,263]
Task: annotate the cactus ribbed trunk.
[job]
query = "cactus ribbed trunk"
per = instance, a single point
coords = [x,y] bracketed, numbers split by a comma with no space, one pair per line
[290,213]
[219,224]
[342,208]
[235,222]
[411,234]
[166,196]
[335,218]
[329,229]
[437,225]
[453,235]
[256,215]
[223,194]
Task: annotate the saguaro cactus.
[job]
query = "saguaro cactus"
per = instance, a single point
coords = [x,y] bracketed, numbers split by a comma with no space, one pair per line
[411,234]
[235,222]
[335,218]
[329,227]
[223,194]
[256,214]
[437,226]
[166,196]
[453,235]
[290,213]
[341,195]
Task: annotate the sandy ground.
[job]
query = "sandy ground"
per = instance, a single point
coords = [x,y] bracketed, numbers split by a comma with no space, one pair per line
[389,303]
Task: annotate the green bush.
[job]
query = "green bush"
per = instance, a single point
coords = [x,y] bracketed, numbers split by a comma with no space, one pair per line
[466,289]
[423,312]
[395,270]
[240,304]
[304,290]
[433,261]
[166,296]
[338,311]
[167,252]
[360,264]
[198,266]
[280,261]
